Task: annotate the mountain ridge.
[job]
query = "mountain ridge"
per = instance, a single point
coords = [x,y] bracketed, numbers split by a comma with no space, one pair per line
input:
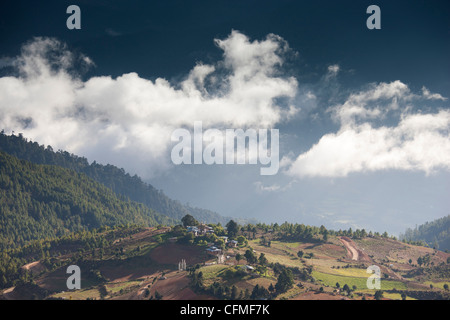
[109,175]
[434,233]
[46,201]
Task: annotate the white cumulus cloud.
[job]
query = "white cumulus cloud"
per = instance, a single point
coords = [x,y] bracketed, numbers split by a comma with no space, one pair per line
[128,120]
[419,141]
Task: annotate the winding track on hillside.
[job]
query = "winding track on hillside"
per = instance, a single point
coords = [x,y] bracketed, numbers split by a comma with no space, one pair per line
[350,248]
[354,252]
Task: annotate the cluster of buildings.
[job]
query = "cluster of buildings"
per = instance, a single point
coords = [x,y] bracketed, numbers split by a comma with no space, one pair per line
[200,230]
[213,250]
[204,229]
[229,243]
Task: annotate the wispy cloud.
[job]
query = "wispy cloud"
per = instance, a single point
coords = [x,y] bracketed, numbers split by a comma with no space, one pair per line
[433,96]
[333,71]
[419,141]
[6,62]
[261,188]
[112,32]
[128,120]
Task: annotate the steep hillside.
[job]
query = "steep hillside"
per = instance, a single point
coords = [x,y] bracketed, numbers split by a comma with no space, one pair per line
[42,201]
[110,176]
[435,233]
[267,262]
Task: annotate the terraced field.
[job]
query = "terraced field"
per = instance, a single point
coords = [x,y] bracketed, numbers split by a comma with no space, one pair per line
[142,267]
[359,282]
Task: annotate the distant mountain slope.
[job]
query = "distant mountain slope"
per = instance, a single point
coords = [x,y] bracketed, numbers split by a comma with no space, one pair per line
[437,231]
[43,201]
[112,177]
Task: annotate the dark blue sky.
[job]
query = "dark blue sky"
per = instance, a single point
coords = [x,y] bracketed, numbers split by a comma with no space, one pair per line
[165,38]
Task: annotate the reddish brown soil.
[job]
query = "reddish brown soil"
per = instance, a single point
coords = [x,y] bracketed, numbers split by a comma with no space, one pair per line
[35,267]
[353,252]
[122,273]
[175,286]
[143,235]
[54,281]
[172,253]
[330,248]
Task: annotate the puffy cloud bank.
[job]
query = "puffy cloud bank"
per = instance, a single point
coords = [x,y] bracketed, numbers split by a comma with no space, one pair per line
[128,120]
[418,141]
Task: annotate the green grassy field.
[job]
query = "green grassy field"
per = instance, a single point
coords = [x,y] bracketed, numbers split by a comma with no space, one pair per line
[116,287]
[211,272]
[291,245]
[395,296]
[134,259]
[359,282]
[277,253]
[351,272]
[291,293]
[79,294]
[437,284]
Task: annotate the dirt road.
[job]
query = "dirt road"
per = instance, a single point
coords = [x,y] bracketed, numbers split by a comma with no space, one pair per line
[349,246]
[35,267]
[354,252]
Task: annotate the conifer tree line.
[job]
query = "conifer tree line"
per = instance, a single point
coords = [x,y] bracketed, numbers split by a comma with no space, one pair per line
[301,232]
[114,178]
[48,250]
[43,201]
[434,234]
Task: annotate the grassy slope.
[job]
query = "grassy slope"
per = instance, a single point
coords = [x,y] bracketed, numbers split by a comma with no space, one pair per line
[134,274]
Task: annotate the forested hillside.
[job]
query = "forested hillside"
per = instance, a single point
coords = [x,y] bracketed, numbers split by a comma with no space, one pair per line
[43,201]
[111,176]
[435,233]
